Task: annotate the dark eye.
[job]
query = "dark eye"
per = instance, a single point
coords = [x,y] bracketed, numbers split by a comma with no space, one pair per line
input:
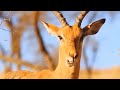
[60,37]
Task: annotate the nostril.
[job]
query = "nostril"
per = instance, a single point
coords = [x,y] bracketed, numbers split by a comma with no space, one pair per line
[68,61]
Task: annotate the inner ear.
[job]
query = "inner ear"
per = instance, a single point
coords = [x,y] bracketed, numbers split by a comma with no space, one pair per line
[52,29]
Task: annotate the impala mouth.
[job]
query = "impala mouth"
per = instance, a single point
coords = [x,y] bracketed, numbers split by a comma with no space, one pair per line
[71,64]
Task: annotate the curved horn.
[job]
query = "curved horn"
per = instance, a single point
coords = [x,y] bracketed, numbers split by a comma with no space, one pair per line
[81,17]
[61,18]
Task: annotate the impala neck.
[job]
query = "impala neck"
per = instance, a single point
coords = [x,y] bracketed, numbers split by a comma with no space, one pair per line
[64,72]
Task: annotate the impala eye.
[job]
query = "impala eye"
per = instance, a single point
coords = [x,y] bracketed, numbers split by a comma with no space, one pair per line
[60,37]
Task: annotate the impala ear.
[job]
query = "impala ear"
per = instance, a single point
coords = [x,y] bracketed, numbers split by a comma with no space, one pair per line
[52,29]
[93,28]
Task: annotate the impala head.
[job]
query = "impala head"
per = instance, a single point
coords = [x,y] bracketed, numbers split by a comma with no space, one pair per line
[71,37]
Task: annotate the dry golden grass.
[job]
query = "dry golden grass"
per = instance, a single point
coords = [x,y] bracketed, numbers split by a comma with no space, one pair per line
[112,73]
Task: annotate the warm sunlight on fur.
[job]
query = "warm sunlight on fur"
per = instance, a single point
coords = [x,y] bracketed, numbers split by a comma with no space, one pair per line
[70,48]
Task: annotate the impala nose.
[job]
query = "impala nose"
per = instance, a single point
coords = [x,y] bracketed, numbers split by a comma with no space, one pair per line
[70,60]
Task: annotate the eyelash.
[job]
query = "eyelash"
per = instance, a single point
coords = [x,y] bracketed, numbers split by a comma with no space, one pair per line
[60,37]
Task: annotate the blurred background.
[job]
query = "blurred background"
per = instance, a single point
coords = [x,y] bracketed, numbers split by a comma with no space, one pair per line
[26,45]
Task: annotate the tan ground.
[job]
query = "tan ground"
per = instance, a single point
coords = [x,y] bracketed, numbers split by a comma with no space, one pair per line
[112,73]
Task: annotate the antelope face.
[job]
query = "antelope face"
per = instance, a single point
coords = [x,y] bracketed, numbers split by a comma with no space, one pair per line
[71,38]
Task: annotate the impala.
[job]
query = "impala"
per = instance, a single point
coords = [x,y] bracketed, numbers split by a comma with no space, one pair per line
[71,40]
